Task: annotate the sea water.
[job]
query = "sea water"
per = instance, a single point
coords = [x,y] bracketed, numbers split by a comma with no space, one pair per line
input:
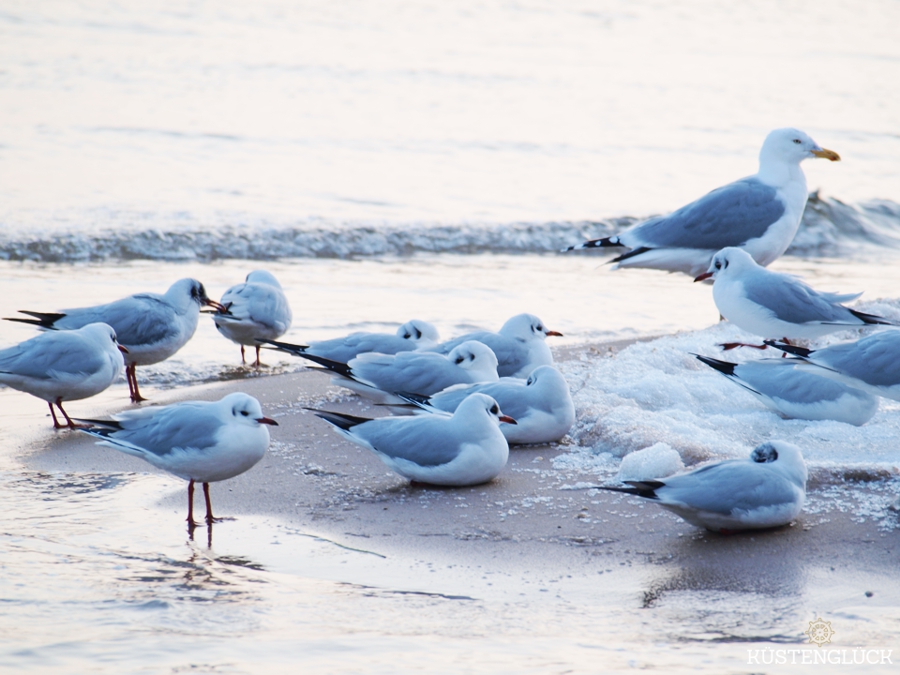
[386,161]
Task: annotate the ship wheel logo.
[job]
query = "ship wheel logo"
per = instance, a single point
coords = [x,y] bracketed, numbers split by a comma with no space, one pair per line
[820,632]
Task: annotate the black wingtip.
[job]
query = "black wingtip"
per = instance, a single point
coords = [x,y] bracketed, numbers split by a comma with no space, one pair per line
[41,319]
[333,366]
[643,488]
[595,243]
[790,349]
[631,254]
[111,425]
[296,350]
[340,420]
[417,399]
[872,318]
[724,367]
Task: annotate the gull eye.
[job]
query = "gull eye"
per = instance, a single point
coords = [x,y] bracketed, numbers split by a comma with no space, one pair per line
[797,141]
[529,382]
[718,265]
[495,410]
[406,336]
[244,413]
[459,359]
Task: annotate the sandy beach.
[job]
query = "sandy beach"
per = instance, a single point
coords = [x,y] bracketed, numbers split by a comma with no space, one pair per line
[612,565]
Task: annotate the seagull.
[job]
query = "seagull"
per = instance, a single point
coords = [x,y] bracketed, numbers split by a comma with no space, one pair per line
[466,448]
[796,393]
[64,366]
[199,441]
[871,363]
[252,311]
[520,345]
[771,304]
[414,334]
[380,376]
[766,490]
[150,326]
[541,405]
[760,213]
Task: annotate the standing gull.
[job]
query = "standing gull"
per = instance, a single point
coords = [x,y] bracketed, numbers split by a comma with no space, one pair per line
[541,405]
[760,213]
[253,311]
[871,363]
[414,334]
[775,305]
[796,393]
[520,345]
[466,448]
[766,490]
[199,441]
[152,327]
[64,365]
[380,376]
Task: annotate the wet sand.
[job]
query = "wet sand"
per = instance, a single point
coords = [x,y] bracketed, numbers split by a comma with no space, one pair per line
[530,527]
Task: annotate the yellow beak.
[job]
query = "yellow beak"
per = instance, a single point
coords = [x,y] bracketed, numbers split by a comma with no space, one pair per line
[824,153]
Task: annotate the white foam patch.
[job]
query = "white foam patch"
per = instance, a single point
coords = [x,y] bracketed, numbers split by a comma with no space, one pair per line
[657,392]
[657,461]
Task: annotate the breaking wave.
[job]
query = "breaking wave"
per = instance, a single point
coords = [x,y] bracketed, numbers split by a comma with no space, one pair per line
[830,228]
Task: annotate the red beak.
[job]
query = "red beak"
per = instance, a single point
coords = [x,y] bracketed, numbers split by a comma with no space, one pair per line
[267,420]
[553,333]
[702,277]
[507,419]
[122,349]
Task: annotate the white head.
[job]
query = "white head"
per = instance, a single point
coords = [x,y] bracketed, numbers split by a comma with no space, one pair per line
[422,333]
[245,410]
[526,327]
[184,292]
[483,406]
[550,381]
[729,261]
[102,333]
[478,359]
[786,457]
[792,146]
[262,277]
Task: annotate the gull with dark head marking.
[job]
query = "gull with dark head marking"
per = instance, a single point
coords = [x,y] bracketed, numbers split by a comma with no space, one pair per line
[380,376]
[760,214]
[414,334]
[775,305]
[152,327]
[541,405]
[253,311]
[62,366]
[466,448]
[199,441]
[520,345]
[796,393]
[871,363]
[766,490]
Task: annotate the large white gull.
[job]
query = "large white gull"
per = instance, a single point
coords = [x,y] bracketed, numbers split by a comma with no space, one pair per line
[759,213]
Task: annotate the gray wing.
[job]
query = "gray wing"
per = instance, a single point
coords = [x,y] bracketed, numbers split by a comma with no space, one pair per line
[49,353]
[511,394]
[142,319]
[346,348]
[779,379]
[158,431]
[423,373]
[726,487]
[789,299]
[874,360]
[260,303]
[728,216]
[428,441]
[510,353]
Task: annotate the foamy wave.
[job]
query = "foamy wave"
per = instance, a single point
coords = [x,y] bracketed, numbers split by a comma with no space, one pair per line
[829,228]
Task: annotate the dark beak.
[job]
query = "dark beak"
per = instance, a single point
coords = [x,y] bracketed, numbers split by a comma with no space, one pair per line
[267,420]
[212,303]
[122,349]
[507,419]
[703,277]
[553,333]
